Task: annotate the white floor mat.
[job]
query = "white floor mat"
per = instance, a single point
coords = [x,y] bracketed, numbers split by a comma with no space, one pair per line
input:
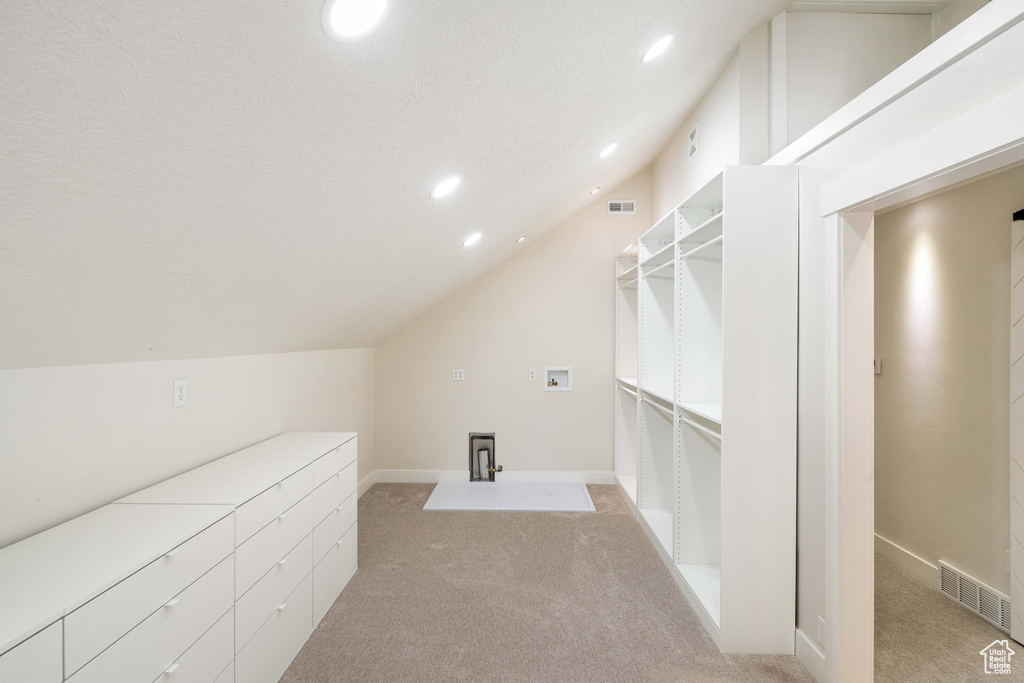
[520,496]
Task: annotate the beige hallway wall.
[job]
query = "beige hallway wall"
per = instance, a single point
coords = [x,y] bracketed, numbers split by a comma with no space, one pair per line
[75,438]
[553,304]
[942,307]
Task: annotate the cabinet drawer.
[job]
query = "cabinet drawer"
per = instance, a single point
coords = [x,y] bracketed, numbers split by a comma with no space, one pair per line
[256,606]
[36,660]
[339,520]
[333,572]
[206,659]
[332,492]
[255,514]
[228,676]
[96,625]
[326,465]
[266,656]
[152,646]
[259,554]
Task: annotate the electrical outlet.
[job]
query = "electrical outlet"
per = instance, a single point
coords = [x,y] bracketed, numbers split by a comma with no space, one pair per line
[180,392]
[323,369]
[533,375]
[458,375]
[821,630]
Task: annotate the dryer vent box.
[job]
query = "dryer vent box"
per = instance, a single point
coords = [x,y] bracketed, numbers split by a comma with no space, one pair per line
[481,457]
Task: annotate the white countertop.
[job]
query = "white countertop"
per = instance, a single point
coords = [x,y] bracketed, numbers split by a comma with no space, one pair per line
[56,571]
[307,446]
[241,476]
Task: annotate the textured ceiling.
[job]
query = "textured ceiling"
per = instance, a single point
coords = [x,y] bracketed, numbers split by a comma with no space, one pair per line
[192,179]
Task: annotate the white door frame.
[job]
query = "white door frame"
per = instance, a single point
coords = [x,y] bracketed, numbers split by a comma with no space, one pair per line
[862,159]
[849,466]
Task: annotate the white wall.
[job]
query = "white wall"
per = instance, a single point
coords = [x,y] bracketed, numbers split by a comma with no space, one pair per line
[733,123]
[942,330]
[75,438]
[833,57]
[553,304]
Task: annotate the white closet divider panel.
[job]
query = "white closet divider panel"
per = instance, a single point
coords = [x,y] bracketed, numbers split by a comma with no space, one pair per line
[759,387]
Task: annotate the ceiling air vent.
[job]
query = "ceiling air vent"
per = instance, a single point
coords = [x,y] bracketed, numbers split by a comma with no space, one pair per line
[984,600]
[622,206]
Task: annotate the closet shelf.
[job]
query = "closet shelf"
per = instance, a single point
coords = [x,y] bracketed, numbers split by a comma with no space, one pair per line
[628,381]
[662,256]
[705,580]
[708,411]
[704,232]
[628,482]
[665,394]
[660,522]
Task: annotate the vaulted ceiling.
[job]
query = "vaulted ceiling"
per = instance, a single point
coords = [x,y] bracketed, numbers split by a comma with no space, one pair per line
[193,179]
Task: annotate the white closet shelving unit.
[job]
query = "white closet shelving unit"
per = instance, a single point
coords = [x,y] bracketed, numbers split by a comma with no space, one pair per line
[627,274]
[716,416]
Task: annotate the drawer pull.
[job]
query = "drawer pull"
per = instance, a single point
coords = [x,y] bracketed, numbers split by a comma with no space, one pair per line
[282,562]
[282,606]
[340,542]
[336,475]
[282,516]
[172,668]
[172,602]
[172,553]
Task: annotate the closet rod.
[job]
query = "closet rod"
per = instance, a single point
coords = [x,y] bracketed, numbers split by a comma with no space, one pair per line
[628,391]
[709,432]
[663,265]
[703,246]
[658,406]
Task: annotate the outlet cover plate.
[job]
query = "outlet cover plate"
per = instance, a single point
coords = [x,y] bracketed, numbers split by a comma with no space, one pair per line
[180,392]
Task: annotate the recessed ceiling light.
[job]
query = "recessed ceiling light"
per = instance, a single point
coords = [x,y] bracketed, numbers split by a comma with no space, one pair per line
[446,187]
[472,239]
[350,19]
[607,151]
[595,190]
[659,46]
[520,239]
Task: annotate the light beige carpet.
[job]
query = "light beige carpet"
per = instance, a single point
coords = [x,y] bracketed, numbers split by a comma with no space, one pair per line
[921,636]
[514,596]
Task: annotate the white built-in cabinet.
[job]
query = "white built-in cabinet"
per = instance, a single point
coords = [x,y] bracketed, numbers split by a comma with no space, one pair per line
[218,575]
[706,400]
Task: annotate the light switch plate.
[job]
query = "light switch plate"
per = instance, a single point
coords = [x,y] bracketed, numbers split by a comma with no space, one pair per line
[458,375]
[180,392]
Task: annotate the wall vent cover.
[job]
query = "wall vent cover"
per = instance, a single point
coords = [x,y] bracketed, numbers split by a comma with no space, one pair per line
[694,142]
[976,596]
[622,206]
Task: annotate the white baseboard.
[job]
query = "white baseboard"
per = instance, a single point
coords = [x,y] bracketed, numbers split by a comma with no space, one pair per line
[557,477]
[908,561]
[366,483]
[810,655]
[435,476]
[420,476]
